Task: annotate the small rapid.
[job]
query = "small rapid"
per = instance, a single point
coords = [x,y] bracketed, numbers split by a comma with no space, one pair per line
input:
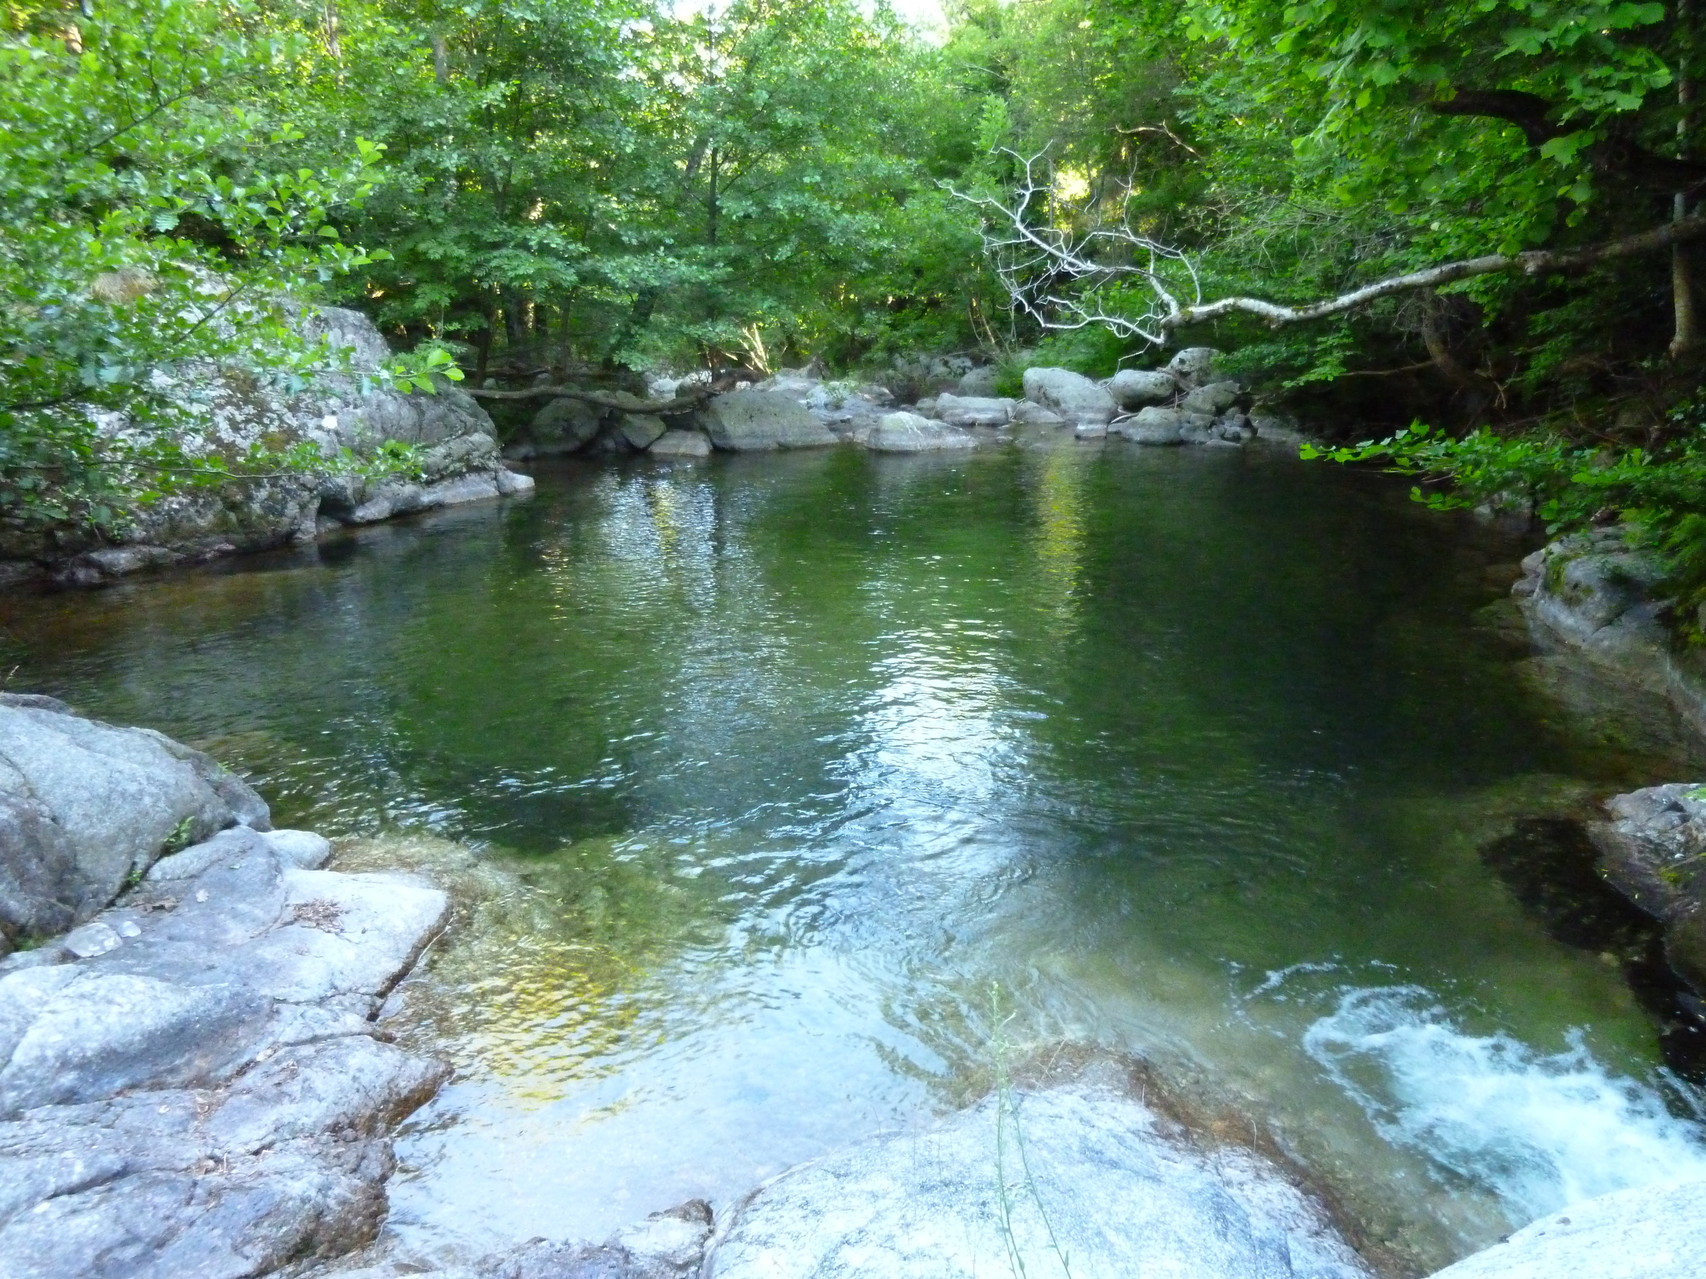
[1540,1130]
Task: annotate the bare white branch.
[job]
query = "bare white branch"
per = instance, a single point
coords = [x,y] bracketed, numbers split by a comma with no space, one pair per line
[1062,279]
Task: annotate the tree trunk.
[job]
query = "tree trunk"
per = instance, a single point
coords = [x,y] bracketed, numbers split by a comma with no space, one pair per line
[1687,323]
[440,58]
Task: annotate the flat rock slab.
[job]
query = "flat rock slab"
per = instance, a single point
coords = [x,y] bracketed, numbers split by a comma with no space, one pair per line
[1104,1182]
[1648,1233]
[189,1083]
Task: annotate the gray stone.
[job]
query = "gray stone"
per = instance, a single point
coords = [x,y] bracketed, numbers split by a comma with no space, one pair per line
[682,444]
[1197,428]
[749,421]
[1153,425]
[300,848]
[667,1245]
[562,426]
[196,1089]
[84,806]
[642,430]
[1072,395]
[959,410]
[910,433]
[1134,389]
[978,383]
[1030,413]
[1234,428]
[1276,428]
[1597,591]
[1653,850]
[480,487]
[1648,1233]
[1106,1182]
[1213,398]
[1194,366]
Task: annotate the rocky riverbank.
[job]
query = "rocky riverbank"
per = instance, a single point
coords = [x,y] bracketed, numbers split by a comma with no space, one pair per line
[196,1078]
[926,407]
[344,418]
[1596,599]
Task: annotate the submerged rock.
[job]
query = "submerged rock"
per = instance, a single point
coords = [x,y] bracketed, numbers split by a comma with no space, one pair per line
[666,1245]
[1084,1176]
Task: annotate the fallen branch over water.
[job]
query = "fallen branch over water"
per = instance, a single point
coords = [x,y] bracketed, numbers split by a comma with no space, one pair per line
[620,402]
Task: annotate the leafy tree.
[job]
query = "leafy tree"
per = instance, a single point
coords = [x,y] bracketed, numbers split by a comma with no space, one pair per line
[151,221]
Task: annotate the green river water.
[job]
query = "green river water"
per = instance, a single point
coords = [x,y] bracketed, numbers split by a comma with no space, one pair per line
[832,777]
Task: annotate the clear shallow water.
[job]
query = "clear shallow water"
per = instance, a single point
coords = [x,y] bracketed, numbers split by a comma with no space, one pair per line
[1187,753]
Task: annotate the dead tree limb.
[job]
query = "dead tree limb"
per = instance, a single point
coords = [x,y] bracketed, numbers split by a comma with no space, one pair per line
[623,403]
[1072,280]
[1533,262]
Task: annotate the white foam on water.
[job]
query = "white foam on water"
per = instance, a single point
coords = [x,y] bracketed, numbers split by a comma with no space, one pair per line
[1539,1130]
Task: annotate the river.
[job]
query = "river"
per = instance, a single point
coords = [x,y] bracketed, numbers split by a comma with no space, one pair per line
[835,779]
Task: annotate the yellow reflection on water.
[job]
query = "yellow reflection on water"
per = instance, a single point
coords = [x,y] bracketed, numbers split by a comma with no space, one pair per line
[548,972]
[1059,537]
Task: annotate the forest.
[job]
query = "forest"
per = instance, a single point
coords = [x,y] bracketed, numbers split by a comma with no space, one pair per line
[1460,233]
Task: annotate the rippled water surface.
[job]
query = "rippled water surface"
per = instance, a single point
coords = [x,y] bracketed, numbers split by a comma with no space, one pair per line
[829,778]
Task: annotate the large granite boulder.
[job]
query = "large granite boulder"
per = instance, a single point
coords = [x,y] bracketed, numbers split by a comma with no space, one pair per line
[1194,366]
[1106,1188]
[86,808]
[562,426]
[229,413]
[1652,1232]
[1652,848]
[910,433]
[754,421]
[1134,389]
[1213,398]
[1072,395]
[1598,592]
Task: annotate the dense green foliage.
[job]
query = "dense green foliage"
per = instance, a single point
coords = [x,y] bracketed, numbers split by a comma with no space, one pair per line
[588,187]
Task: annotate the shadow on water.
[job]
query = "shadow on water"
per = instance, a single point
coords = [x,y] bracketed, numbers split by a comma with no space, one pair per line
[1199,755]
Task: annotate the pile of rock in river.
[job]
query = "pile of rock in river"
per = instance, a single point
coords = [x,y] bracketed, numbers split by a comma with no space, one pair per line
[196,1079]
[1186,402]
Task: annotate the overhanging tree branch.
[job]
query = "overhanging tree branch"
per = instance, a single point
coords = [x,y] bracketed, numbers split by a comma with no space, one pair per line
[1532,262]
[1068,280]
[624,403]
